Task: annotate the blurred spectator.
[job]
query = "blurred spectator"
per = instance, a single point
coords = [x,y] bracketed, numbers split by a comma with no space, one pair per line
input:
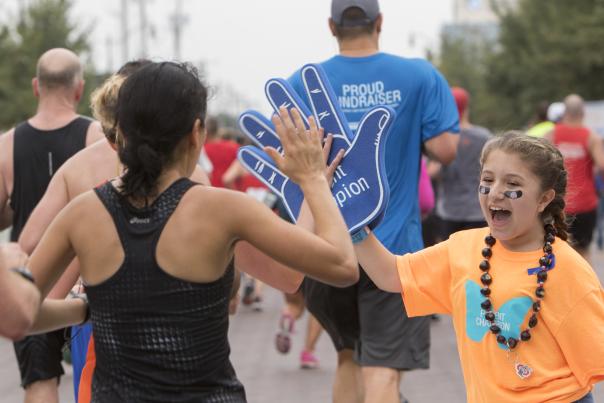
[542,125]
[582,149]
[457,204]
[555,112]
[425,190]
[221,152]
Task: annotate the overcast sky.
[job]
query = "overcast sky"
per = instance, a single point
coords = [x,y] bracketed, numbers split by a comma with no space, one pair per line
[242,43]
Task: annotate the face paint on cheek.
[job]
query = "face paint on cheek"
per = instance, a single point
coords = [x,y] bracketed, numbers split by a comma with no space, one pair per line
[484,190]
[513,194]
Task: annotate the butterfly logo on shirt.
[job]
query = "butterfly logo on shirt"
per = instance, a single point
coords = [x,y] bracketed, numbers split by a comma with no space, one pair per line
[509,317]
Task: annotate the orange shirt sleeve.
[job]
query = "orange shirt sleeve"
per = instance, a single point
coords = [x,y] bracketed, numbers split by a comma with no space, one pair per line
[581,338]
[426,280]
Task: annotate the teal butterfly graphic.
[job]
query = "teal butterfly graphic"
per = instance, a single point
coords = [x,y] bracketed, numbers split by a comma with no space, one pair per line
[509,317]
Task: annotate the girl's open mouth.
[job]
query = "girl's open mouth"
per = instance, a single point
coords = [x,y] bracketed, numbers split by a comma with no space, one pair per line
[499,215]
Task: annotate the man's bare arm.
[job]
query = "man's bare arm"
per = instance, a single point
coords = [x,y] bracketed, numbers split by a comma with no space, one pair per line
[596,149]
[442,148]
[54,199]
[6,178]
[94,133]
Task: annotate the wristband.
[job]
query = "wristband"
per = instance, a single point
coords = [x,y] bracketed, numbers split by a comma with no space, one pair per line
[360,235]
[24,272]
[84,298]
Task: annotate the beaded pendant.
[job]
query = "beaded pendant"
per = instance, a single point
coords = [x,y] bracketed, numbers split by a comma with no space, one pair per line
[523,371]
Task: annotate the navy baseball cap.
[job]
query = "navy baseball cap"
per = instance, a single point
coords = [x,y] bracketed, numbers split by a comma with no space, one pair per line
[371,8]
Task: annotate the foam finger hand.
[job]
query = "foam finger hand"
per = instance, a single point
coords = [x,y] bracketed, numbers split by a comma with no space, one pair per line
[365,161]
[260,130]
[263,167]
[280,94]
[325,108]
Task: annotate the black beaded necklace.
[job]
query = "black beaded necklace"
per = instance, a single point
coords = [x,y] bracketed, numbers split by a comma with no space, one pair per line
[545,262]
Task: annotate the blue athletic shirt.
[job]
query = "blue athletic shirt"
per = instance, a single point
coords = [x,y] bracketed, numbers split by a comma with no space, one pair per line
[425,108]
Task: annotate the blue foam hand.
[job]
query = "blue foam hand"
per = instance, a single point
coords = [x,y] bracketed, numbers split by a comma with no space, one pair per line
[264,168]
[360,188]
[327,113]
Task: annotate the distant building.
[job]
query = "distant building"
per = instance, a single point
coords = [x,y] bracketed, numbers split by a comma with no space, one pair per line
[478,11]
[475,19]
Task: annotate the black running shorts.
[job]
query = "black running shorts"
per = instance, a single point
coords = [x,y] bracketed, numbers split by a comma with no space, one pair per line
[39,357]
[582,227]
[371,322]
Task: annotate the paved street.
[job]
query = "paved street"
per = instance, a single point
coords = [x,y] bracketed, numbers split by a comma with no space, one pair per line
[270,377]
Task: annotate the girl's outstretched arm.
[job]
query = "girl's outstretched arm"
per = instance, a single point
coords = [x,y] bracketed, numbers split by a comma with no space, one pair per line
[379,263]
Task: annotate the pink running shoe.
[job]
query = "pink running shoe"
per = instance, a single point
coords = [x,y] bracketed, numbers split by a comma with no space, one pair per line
[283,341]
[308,360]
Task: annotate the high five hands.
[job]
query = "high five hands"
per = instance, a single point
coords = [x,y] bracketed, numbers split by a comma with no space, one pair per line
[359,187]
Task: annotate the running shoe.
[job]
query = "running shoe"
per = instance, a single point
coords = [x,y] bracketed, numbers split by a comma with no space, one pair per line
[257,304]
[283,341]
[248,293]
[308,360]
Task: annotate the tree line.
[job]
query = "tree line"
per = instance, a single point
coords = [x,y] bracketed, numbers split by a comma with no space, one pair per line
[543,51]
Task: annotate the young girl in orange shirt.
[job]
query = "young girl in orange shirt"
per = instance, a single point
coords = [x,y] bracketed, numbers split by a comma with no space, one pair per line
[528,310]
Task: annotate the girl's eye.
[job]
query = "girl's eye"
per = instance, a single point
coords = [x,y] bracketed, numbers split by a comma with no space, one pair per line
[513,184]
[487,180]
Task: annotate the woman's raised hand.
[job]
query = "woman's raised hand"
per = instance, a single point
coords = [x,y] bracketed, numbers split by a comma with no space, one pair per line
[303,157]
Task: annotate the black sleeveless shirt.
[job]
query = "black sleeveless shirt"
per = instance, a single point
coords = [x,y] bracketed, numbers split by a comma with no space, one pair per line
[37,154]
[158,338]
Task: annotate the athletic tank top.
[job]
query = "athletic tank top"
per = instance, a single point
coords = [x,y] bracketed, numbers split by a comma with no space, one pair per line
[37,155]
[573,143]
[158,338]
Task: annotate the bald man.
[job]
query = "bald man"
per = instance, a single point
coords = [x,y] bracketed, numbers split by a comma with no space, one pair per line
[582,150]
[30,154]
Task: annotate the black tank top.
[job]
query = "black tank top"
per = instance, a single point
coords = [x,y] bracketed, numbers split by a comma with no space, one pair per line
[37,154]
[158,338]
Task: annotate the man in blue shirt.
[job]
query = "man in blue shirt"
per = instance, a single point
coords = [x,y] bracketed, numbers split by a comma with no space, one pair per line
[374,337]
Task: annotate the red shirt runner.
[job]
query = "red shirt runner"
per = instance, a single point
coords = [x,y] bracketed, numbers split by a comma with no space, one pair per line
[573,143]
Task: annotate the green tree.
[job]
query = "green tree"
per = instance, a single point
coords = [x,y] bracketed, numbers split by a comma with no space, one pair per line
[542,51]
[547,49]
[43,25]
[463,56]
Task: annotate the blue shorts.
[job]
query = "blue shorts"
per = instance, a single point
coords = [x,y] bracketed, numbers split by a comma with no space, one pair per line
[80,337]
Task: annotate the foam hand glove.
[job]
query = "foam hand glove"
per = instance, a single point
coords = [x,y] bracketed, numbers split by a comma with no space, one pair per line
[359,188]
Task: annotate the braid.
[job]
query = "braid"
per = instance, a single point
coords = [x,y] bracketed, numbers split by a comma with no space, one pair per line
[555,210]
[144,164]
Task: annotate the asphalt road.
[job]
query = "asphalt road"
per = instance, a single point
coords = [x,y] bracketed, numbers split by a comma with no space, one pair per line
[272,377]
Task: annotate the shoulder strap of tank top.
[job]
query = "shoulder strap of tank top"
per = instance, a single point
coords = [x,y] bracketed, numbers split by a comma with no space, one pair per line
[163,207]
[110,199]
[82,122]
[142,224]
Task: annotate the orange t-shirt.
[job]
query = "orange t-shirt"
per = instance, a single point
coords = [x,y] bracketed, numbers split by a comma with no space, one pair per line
[566,351]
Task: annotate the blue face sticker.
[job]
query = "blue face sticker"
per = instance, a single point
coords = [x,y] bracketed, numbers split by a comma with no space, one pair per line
[510,194]
[513,194]
[509,317]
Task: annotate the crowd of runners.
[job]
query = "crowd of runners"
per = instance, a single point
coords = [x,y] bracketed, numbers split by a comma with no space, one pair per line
[135,234]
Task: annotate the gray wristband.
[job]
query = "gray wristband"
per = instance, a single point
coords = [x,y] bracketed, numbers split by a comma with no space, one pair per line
[360,235]
[24,272]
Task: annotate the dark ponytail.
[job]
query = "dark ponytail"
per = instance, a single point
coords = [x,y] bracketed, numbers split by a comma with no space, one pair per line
[546,162]
[157,107]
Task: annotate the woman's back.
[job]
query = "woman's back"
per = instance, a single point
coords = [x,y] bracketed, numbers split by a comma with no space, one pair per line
[157,276]
[158,337]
